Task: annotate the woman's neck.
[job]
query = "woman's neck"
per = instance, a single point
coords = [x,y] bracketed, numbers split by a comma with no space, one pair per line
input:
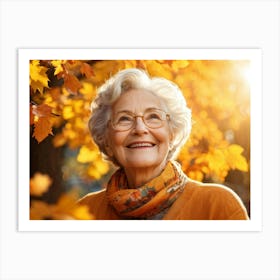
[137,177]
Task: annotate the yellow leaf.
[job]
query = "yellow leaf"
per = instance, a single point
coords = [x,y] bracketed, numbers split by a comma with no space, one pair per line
[59,140]
[179,64]
[39,183]
[67,112]
[87,155]
[235,149]
[78,106]
[81,213]
[88,89]
[68,209]
[58,66]
[38,77]
[158,70]
[196,175]
[97,169]
[67,200]
[235,159]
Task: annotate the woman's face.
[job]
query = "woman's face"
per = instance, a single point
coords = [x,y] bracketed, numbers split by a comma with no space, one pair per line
[140,146]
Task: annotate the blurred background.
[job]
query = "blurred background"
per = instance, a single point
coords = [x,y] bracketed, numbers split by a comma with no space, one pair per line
[65,164]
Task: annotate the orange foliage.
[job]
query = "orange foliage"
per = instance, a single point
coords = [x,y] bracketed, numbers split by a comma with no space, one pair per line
[65,209]
[39,184]
[216,92]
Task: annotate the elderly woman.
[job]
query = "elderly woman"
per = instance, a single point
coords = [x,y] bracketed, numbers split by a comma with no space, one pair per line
[139,124]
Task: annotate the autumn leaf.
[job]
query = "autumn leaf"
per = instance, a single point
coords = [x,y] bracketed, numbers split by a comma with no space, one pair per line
[68,112]
[39,184]
[58,64]
[72,83]
[67,208]
[86,70]
[97,169]
[88,90]
[38,77]
[235,158]
[42,128]
[59,140]
[81,212]
[179,64]
[40,210]
[42,110]
[87,155]
[196,175]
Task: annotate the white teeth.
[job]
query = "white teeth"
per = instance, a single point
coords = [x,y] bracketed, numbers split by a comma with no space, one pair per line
[136,145]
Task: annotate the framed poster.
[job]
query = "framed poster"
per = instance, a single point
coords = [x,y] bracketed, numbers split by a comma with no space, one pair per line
[56,88]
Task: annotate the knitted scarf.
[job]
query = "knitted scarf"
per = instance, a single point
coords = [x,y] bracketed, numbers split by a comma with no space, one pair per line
[150,199]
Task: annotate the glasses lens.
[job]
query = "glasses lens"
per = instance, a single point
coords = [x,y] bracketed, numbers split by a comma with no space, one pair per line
[154,119]
[123,121]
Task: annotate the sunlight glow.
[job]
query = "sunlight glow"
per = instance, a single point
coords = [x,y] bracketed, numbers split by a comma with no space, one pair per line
[247,75]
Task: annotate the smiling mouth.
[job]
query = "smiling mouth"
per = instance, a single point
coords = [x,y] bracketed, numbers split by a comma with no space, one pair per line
[140,145]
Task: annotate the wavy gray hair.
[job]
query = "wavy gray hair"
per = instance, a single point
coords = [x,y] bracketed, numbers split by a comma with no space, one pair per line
[168,92]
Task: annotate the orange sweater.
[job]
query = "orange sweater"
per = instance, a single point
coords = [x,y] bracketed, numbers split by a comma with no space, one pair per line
[197,202]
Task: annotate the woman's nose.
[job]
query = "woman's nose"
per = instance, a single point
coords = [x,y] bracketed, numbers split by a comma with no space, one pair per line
[139,126]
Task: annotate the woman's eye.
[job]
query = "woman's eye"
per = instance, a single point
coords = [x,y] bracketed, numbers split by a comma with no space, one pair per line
[153,117]
[125,119]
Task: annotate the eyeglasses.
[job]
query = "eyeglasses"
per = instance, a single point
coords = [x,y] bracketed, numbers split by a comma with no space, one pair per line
[152,118]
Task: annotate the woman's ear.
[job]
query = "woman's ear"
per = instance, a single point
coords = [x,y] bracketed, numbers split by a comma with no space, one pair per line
[109,151]
[171,146]
[108,148]
[171,139]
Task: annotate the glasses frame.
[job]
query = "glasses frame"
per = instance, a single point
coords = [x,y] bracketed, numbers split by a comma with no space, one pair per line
[167,118]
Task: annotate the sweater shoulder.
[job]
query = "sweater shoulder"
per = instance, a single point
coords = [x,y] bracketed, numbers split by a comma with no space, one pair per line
[211,190]
[204,201]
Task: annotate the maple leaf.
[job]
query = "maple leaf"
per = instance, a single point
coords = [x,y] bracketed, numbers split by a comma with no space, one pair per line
[42,128]
[97,169]
[38,78]
[235,158]
[39,184]
[58,64]
[87,70]
[42,110]
[72,83]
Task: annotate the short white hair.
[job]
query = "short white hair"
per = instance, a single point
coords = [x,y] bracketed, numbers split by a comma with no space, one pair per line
[168,93]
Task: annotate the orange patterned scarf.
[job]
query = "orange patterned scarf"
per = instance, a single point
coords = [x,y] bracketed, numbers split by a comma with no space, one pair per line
[150,199]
